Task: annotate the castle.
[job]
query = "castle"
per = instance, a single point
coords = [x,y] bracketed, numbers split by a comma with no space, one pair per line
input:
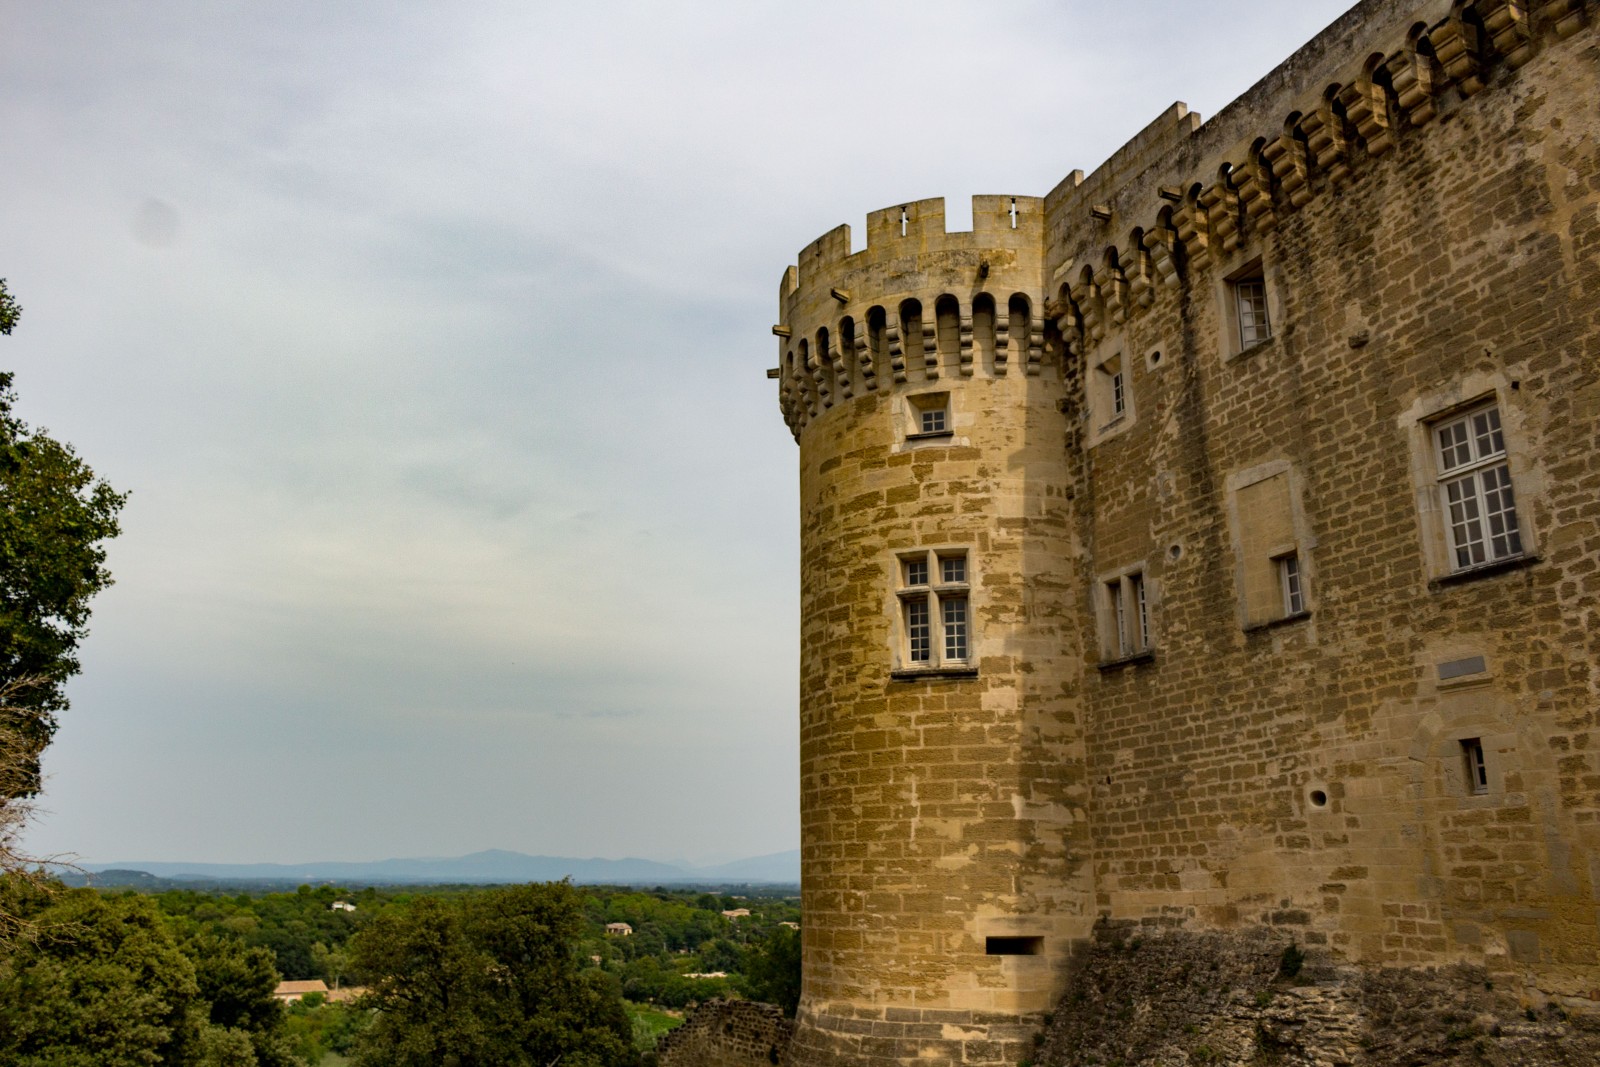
[1213,543]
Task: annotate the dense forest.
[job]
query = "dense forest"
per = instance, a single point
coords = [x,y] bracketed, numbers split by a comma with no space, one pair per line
[462,974]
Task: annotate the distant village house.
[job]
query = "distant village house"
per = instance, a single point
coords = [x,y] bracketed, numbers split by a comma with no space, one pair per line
[289,992]
[619,929]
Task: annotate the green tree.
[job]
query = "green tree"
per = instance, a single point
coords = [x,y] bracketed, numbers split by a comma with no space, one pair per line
[93,981]
[88,979]
[491,981]
[54,517]
[10,310]
[236,983]
[314,1030]
[772,969]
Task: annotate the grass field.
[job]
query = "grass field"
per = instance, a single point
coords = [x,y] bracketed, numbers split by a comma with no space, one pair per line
[650,1023]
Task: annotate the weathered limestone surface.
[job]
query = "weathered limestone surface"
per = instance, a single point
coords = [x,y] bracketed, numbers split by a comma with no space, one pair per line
[1417,193]
[939,809]
[728,1033]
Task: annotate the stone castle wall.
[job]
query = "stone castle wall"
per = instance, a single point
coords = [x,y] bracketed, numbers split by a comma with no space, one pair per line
[1308,772]
[1417,195]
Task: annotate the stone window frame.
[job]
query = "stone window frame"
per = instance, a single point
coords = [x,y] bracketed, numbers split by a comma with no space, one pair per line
[926,593]
[1475,765]
[917,409]
[1124,609]
[1469,450]
[1420,424]
[1251,270]
[1111,393]
[1301,547]
[1100,379]
[1498,745]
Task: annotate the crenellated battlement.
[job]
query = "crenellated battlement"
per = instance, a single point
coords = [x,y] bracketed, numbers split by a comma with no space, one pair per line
[915,228]
[917,303]
[1185,195]
[1178,198]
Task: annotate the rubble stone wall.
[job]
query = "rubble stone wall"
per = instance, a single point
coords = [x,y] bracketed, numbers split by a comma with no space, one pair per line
[728,1033]
[1150,997]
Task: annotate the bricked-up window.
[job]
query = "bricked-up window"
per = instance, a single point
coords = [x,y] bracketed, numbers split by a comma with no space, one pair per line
[1274,573]
[1475,487]
[1127,607]
[936,609]
[1476,767]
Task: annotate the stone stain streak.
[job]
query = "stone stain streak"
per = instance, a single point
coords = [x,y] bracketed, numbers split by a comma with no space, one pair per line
[1181,423]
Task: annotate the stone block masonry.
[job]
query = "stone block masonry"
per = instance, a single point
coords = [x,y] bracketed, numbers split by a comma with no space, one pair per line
[1213,543]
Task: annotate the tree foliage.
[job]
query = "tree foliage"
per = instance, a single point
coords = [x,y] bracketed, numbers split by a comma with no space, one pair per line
[10,310]
[101,981]
[772,969]
[487,981]
[54,517]
[93,981]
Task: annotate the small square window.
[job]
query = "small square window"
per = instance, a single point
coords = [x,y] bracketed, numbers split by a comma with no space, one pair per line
[916,572]
[953,569]
[929,415]
[1476,766]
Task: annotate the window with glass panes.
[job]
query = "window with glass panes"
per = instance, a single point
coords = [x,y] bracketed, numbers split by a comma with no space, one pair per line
[1294,595]
[1250,298]
[930,415]
[1479,505]
[1128,622]
[936,608]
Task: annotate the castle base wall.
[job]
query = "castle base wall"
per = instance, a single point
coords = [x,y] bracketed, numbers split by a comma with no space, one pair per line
[848,1036]
[1150,996]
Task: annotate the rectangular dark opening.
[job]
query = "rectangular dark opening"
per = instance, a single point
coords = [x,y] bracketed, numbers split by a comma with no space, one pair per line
[1477,766]
[1013,946]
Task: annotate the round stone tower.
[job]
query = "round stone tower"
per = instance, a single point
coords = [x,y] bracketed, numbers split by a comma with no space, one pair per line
[945,865]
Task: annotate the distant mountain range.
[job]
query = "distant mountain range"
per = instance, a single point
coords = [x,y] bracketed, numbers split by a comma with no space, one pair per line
[490,866]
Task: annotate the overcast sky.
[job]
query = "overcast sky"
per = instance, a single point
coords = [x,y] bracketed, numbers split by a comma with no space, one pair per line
[430,341]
